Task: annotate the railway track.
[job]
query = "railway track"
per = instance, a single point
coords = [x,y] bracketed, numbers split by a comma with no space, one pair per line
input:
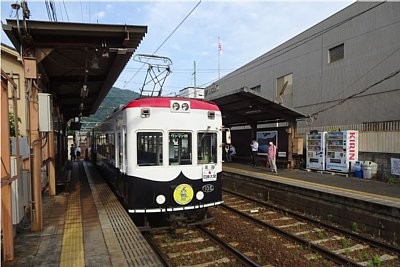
[196,247]
[338,245]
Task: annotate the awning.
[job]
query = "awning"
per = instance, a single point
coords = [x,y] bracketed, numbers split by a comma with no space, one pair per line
[73,55]
[245,107]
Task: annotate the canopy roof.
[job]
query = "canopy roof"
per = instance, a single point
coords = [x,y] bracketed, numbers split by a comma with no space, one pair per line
[245,107]
[73,55]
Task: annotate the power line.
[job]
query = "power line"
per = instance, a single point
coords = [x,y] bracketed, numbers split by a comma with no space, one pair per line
[166,39]
[356,94]
[66,12]
[80,1]
[61,11]
[266,58]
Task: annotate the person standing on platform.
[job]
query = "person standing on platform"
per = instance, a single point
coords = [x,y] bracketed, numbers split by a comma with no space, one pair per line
[72,152]
[272,157]
[78,153]
[231,152]
[254,151]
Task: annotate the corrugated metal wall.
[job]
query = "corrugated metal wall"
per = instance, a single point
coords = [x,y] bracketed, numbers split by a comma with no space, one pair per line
[379,137]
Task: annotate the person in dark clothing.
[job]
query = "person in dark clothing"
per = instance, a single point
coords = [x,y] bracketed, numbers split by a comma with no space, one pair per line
[72,152]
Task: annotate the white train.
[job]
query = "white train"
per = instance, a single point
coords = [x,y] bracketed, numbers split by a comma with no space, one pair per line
[163,156]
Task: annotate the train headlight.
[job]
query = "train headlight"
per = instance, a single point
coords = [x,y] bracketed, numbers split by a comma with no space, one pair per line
[185,106]
[160,199]
[200,195]
[175,106]
[179,106]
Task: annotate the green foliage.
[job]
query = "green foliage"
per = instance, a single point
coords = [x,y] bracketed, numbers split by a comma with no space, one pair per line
[376,261]
[345,242]
[113,100]
[320,235]
[391,179]
[354,227]
[365,256]
[12,124]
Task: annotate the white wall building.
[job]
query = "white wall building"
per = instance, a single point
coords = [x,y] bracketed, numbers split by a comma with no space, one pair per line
[191,92]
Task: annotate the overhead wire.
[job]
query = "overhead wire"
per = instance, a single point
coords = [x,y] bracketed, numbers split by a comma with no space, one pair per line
[166,39]
[53,10]
[357,80]
[356,94]
[80,1]
[294,45]
[66,12]
[61,11]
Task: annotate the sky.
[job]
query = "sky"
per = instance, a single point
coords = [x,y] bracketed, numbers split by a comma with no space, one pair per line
[245,30]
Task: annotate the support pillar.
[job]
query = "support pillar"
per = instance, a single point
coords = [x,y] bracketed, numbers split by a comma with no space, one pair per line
[291,134]
[253,131]
[52,171]
[36,157]
[6,207]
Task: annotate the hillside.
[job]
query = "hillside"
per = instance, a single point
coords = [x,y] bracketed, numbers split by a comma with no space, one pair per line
[113,99]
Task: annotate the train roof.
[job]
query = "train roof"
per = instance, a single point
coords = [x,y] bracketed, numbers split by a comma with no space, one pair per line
[165,102]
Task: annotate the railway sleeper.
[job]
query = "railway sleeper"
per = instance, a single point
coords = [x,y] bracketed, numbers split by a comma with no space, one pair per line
[385,257]
[188,253]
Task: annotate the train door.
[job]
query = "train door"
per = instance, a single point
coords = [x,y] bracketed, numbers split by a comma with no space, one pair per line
[117,150]
[122,153]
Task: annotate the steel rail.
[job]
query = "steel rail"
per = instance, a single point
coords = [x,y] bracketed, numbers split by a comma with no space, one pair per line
[355,236]
[164,260]
[239,255]
[325,252]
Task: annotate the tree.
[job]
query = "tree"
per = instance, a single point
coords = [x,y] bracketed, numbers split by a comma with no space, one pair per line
[12,124]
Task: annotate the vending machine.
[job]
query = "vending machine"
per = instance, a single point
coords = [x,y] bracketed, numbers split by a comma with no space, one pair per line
[341,150]
[315,151]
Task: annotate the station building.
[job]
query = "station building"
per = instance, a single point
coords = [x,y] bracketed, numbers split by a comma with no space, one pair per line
[342,73]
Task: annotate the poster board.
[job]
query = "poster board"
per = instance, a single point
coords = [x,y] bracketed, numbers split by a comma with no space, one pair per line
[395,166]
[263,139]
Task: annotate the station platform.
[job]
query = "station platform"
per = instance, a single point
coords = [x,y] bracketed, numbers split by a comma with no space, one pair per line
[83,226]
[352,187]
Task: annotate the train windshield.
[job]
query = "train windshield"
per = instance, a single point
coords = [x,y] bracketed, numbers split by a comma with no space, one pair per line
[206,148]
[180,148]
[149,148]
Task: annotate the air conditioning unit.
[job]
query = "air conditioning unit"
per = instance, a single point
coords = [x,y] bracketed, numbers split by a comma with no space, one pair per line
[44,112]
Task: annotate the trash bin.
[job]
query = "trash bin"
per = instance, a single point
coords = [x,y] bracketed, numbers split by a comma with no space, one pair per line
[358,169]
[369,169]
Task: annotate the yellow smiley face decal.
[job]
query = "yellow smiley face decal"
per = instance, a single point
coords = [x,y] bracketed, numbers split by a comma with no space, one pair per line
[183,194]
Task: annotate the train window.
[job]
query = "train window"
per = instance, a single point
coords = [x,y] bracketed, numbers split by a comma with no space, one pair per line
[206,148]
[180,148]
[119,151]
[149,149]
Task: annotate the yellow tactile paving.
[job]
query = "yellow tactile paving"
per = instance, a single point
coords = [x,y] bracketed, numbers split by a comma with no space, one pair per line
[125,244]
[72,253]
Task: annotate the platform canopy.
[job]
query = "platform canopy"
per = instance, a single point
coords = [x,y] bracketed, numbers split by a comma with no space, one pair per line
[246,107]
[73,57]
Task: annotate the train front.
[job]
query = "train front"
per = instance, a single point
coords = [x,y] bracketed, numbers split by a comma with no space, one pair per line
[174,155]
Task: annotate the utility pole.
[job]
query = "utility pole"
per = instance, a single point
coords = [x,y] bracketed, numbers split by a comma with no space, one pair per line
[219,58]
[194,78]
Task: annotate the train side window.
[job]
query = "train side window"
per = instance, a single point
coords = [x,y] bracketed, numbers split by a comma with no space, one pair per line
[180,148]
[120,151]
[206,148]
[149,149]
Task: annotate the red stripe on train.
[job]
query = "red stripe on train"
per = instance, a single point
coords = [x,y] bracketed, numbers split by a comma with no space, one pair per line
[164,102]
